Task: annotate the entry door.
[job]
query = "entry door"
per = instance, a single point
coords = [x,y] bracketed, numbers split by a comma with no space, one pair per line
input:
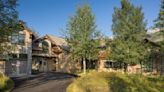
[44,66]
[15,68]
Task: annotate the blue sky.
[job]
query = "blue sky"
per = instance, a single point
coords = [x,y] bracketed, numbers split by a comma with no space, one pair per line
[50,16]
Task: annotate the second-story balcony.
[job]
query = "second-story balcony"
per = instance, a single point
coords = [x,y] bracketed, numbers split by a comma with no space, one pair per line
[42,53]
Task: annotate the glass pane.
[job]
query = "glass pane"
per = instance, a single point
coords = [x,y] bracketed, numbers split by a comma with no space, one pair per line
[21,38]
[45,46]
[14,39]
[107,64]
[23,56]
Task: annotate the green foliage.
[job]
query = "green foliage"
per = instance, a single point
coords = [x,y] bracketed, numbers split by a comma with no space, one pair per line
[6,84]
[8,20]
[81,34]
[129,31]
[159,22]
[116,82]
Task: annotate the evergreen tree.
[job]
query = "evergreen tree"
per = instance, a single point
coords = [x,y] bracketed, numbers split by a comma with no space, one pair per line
[159,22]
[81,35]
[129,30]
[8,20]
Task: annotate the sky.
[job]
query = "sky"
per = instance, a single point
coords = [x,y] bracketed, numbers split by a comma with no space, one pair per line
[51,16]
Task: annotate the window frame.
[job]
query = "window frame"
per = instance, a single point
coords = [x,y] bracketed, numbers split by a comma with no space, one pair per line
[17,38]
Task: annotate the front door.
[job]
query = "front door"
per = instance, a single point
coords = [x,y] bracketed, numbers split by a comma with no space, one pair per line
[43,66]
[15,65]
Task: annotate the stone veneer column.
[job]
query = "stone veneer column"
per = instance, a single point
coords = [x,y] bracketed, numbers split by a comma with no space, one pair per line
[29,60]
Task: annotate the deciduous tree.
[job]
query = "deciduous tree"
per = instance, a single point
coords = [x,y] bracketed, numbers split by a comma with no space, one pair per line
[8,20]
[81,35]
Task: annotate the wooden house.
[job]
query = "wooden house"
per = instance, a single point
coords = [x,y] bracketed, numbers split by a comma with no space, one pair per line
[17,60]
[156,59]
[51,53]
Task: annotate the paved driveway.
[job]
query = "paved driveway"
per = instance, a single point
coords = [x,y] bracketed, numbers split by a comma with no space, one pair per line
[44,82]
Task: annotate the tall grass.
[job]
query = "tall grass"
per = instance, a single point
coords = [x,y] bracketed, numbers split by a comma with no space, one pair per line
[6,84]
[116,82]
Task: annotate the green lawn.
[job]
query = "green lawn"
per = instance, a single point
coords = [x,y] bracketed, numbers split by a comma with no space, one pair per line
[116,82]
[6,84]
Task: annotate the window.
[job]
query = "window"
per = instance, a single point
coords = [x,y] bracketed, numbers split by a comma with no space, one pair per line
[107,64]
[13,56]
[45,46]
[14,38]
[114,65]
[17,38]
[23,56]
[21,38]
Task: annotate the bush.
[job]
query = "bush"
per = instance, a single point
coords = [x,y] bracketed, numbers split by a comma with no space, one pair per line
[6,84]
[116,82]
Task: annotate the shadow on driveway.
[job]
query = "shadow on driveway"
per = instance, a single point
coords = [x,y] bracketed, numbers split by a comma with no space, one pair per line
[43,82]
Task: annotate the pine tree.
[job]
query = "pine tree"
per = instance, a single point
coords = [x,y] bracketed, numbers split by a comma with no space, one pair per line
[159,22]
[129,30]
[82,34]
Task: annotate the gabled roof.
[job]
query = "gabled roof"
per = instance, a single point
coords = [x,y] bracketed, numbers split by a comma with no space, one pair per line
[58,41]
[155,37]
[24,27]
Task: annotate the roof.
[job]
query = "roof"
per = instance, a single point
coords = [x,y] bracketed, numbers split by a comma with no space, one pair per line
[155,37]
[25,27]
[58,41]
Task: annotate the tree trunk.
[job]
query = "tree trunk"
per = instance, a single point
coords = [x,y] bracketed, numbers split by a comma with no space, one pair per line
[141,70]
[161,62]
[84,66]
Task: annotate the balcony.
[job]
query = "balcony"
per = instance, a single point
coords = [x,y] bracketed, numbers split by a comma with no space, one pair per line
[42,53]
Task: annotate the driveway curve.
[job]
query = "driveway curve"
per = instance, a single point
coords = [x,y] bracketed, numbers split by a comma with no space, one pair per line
[44,82]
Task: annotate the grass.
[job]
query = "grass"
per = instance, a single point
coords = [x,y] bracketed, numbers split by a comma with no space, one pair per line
[116,82]
[6,84]
[88,83]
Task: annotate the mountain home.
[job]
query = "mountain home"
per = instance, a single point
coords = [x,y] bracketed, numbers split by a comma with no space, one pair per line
[51,53]
[104,63]
[156,59]
[17,61]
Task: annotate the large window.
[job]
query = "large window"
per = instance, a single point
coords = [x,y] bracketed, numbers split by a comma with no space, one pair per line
[21,56]
[45,46]
[14,38]
[107,64]
[17,38]
[21,38]
[111,64]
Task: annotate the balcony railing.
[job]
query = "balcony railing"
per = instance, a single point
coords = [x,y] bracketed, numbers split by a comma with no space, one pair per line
[43,53]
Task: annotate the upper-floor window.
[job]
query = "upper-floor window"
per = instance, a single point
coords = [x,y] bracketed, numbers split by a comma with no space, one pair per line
[17,38]
[14,38]
[21,38]
[45,46]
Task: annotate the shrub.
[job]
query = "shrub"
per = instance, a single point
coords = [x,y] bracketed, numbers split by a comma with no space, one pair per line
[6,84]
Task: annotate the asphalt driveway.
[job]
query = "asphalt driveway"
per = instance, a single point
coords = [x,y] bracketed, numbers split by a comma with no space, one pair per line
[44,82]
